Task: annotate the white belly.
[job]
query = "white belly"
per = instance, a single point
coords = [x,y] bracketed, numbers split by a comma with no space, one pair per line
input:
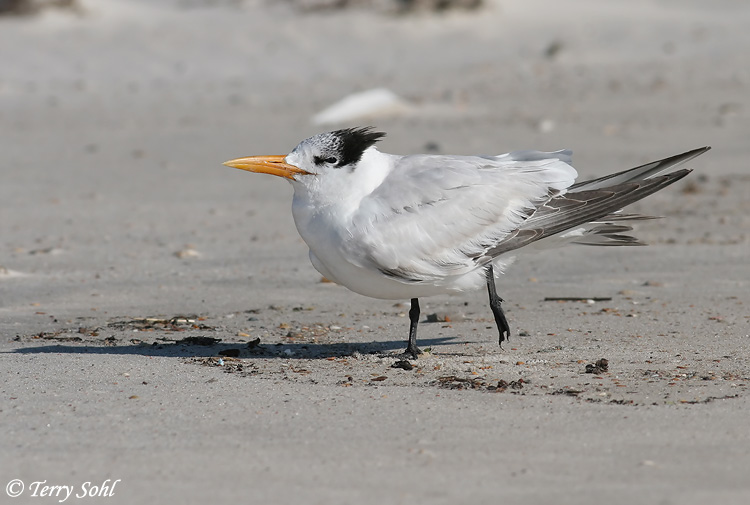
[331,255]
[375,284]
[330,258]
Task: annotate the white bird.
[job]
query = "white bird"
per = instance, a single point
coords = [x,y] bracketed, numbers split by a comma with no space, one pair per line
[404,227]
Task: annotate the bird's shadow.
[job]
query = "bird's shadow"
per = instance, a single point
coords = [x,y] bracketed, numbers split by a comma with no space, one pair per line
[240,350]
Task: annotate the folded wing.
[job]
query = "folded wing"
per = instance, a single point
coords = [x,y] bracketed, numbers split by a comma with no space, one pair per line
[592,208]
[439,216]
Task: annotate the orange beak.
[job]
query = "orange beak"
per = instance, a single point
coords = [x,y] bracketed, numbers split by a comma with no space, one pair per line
[274,165]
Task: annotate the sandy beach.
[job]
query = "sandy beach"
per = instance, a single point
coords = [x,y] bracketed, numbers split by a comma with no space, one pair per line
[164,338]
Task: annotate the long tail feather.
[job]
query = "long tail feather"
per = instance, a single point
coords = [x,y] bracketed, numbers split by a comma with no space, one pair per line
[593,206]
[646,171]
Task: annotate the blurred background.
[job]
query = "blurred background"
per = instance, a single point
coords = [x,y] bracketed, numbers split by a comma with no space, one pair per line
[117,114]
[115,118]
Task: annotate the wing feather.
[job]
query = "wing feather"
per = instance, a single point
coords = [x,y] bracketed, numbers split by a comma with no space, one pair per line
[576,208]
[472,209]
[639,173]
[465,206]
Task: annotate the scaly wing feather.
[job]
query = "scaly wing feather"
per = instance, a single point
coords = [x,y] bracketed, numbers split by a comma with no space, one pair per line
[597,204]
[466,205]
[639,173]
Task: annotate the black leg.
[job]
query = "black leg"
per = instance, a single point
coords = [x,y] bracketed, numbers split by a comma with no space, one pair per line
[497,310]
[413,320]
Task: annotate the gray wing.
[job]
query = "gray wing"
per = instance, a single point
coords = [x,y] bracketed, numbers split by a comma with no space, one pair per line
[598,202]
[638,173]
[437,216]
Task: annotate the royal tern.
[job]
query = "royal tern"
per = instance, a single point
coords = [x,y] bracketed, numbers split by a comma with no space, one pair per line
[404,227]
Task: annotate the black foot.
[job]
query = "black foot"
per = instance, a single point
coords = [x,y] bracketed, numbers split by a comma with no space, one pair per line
[411,353]
[502,324]
[497,310]
[411,349]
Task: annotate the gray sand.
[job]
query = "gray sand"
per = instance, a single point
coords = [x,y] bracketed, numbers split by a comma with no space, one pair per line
[122,235]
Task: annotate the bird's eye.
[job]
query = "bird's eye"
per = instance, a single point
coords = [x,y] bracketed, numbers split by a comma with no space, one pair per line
[319,160]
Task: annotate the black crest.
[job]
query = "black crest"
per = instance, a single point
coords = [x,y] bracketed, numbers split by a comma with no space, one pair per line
[353,142]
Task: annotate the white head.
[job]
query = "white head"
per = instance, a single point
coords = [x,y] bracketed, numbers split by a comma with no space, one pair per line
[337,150]
[331,164]
[317,155]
